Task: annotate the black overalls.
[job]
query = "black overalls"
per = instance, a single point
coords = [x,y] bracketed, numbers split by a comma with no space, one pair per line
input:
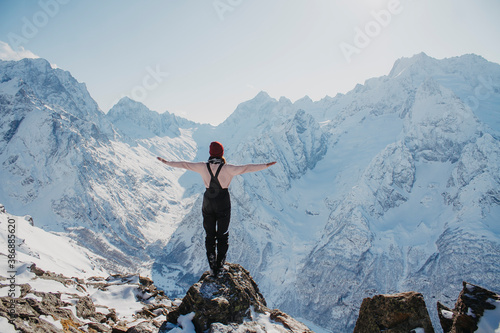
[216,215]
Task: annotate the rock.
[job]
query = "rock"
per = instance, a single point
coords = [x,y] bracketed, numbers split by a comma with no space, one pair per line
[226,299]
[29,311]
[29,218]
[230,303]
[85,308]
[445,317]
[118,329]
[36,311]
[397,313]
[470,307]
[144,327]
[95,327]
[36,270]
[288,322]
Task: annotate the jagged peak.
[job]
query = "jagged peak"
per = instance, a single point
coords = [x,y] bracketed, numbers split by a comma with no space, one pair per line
[53,86]
[251,109]
[41,62]
[303,102]
[400,65]
[306,98]
[424,63]
[285,100]
[262,95]
[126,105]
[127,100]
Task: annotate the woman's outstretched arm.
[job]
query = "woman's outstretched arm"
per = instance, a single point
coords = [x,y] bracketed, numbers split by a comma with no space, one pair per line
[194,166]
[234,170]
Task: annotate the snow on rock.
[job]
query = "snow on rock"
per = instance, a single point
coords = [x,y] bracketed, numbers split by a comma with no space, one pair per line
[37,294]
[439,124]
[230,302]
[476,310]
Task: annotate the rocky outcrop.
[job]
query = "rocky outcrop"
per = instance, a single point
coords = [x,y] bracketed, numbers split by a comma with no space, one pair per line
[228,303]
[232,299]
[74,311]
[470,307]
[476,310]
[397,313]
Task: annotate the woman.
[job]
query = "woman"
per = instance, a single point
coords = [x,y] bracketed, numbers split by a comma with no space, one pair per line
[216,210]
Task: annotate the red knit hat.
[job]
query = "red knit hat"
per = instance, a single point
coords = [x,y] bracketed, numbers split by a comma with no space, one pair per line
[216,149]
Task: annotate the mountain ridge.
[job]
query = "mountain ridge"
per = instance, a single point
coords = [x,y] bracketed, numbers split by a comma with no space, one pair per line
[357,176]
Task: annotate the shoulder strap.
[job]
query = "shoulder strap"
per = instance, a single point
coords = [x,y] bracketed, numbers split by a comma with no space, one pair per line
[214,179]
[218,171]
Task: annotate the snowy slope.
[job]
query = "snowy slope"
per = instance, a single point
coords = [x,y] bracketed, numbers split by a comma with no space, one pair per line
[75,272]
[391,187]
[49,251]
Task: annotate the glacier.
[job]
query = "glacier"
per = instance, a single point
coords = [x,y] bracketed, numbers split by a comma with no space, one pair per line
[391,187]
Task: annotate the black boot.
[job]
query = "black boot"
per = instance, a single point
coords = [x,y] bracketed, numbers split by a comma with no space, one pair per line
[212,262]
[220,265]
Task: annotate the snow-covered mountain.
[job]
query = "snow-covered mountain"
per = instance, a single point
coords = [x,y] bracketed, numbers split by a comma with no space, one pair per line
[68,165]
[393,186]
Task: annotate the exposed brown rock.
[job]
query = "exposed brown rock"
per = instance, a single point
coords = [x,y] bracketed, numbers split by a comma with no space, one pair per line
[227,303]
[469,308]
[397,313]
[144,327]
[445,317]
[226,299]
[222,304]
[35,311]
[288,322]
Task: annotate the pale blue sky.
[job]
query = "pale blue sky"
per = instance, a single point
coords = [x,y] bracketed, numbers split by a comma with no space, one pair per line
[219,53]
